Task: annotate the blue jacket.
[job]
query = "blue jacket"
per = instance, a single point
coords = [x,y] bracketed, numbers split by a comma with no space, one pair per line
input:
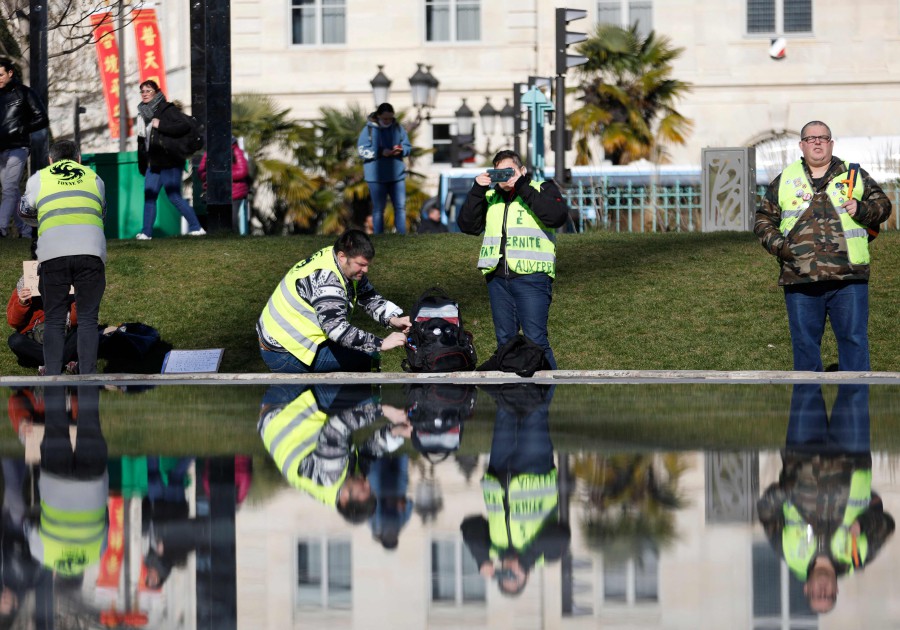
[372,141]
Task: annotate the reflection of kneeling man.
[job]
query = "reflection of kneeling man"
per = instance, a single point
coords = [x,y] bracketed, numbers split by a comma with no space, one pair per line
[74,486]
[822,516]
[308,433]
[521,493]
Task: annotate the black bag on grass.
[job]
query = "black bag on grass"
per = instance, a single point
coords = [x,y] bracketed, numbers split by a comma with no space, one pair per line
[520,355]
[437,341]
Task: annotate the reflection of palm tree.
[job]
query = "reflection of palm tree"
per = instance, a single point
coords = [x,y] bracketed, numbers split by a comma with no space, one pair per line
[629,96]
[630,500]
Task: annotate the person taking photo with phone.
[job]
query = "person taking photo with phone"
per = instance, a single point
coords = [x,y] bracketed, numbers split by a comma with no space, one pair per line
[519,218]
[382,144]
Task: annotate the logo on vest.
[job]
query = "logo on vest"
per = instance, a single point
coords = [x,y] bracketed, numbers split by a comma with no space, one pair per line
[69,174]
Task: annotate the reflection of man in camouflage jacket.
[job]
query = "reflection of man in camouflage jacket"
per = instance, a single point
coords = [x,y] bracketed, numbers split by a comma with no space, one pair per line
[816,223]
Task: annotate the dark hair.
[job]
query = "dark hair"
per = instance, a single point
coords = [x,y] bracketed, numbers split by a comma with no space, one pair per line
[353,243]
[64,150]
[507,154]
[384,108]
[812,123]
[7,64]
[150,83]
[355,511]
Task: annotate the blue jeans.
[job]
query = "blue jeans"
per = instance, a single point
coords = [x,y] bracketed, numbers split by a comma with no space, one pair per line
[846,305]
[846,432]
[168,179]
[522,301]
[329,358]
[88,275]
[521,438]
[379,192]
[12,163]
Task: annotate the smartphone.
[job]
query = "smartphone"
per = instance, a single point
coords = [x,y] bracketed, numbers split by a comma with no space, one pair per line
[500,174]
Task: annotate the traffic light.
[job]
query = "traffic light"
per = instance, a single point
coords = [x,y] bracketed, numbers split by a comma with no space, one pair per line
[565,38]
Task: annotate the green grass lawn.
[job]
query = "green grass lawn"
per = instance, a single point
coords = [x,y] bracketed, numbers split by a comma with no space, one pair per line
[621,301]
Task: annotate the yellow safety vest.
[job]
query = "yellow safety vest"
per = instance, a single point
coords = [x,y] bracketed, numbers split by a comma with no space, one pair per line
[72,540]
[292,434]
[530,245]
[68,195]
[795,193]
[532,499]
[290,320]
[798,541]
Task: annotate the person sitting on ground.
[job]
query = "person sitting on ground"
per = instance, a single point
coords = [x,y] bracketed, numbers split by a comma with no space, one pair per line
[25,313]
[431,221]
[305,328]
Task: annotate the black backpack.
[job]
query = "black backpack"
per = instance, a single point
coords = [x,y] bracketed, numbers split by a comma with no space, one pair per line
[437,413]
[437,341]
[184,147]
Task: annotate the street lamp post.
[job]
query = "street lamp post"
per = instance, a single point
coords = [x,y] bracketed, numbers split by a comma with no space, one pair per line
[488,116]
[461,143]
[381,87]
[508,120]
[423,87]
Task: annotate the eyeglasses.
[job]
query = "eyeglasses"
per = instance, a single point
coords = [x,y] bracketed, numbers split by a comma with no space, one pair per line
[154,92]
[816,139]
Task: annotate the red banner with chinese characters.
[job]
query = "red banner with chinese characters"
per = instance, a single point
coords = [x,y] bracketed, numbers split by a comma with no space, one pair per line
[111,562]
[149,48]
[108,58]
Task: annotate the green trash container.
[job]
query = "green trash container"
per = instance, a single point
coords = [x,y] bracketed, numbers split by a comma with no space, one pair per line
[125,197]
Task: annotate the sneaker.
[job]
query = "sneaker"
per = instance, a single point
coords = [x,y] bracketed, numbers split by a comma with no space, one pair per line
[143,237]
[72,367]
[200,232]
[42,370]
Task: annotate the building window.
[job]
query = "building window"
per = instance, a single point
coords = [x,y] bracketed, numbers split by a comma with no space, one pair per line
[318,22]
[454,575]
[324,574]
[772,17]
[452,20]
[624,13]
[440,141]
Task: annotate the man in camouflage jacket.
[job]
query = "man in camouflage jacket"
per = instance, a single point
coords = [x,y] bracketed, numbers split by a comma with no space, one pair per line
[816,224]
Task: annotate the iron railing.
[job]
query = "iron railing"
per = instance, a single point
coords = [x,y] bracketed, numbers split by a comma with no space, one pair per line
[626,206]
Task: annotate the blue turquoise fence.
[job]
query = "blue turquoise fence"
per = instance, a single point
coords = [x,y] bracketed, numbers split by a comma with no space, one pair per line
[626,206]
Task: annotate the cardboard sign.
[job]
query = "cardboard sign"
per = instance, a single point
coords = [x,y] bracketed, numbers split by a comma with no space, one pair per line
[192,361]
[29,270]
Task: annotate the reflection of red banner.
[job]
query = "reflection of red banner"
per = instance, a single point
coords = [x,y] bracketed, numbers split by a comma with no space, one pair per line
[111,562]
[108,57]
[149,48]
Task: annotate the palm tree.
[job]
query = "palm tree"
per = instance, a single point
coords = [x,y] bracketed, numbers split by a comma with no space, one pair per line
[629,97]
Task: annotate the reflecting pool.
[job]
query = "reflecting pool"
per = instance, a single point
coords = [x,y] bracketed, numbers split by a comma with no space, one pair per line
[433,505]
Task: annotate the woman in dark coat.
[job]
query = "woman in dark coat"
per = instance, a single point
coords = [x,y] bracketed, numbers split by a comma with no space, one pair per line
[158,122]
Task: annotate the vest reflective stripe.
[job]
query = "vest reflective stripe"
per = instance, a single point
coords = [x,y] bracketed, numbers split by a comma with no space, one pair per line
[793,178]
[290,320]
[532,499]
[530,245]
[55,205]
[71,540]
[292,434]
[799,542]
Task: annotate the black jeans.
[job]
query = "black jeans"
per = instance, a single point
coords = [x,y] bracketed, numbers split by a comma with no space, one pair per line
[30,353]
[88,275]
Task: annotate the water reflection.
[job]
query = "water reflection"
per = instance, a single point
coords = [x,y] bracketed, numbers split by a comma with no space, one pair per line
[433,505]
[822,515]
[521,492]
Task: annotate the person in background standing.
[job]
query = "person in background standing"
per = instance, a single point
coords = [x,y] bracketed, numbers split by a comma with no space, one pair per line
[68,203]
[240,181]
[383,143]
[158,117]
[21,114]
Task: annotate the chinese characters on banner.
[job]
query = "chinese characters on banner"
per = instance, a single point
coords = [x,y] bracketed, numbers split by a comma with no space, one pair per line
[108,57]
[149,57]
[149,48]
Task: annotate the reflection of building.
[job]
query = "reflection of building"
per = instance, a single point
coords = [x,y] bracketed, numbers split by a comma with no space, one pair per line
[300,566]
